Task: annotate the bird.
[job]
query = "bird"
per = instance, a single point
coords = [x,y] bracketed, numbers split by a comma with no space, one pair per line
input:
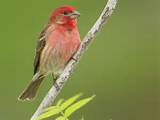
[57,43]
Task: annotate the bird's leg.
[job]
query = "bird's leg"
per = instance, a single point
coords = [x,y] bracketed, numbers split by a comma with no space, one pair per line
[55,77]
[74,59]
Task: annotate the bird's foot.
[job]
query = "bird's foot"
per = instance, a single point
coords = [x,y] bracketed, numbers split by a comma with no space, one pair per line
[74,59]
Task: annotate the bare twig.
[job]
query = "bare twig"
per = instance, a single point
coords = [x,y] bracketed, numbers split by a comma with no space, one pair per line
[88,39]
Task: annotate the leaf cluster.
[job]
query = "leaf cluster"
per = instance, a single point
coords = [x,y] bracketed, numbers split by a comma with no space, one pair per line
[65,108]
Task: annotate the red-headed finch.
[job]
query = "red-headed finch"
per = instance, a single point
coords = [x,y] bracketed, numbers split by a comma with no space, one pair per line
[57,44]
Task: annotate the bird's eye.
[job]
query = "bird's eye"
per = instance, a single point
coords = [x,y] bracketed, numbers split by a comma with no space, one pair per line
[65,12]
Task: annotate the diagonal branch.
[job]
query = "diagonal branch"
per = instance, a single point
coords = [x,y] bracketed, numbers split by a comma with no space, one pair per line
[88,39]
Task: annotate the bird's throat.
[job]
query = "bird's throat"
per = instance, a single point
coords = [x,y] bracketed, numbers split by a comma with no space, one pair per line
[70,25]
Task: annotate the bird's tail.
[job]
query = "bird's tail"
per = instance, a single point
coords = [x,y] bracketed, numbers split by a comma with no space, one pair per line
[30,92]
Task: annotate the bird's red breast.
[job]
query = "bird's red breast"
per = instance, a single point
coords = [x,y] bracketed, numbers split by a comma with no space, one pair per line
[60,46]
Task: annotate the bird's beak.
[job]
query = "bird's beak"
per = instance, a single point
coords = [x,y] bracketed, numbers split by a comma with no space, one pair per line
[74,15]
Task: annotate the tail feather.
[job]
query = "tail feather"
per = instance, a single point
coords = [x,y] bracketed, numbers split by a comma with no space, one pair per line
[30,92]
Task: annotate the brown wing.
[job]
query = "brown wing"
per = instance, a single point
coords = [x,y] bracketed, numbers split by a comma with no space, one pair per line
[40,45]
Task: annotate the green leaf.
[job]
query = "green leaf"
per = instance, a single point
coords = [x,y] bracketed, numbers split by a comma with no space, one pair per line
[77,105]
[61,118]
[59,102]
[50,108]
[49,113]
[70,101]
[54,107]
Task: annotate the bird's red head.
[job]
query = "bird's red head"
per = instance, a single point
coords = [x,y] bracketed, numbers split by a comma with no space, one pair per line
[64,15]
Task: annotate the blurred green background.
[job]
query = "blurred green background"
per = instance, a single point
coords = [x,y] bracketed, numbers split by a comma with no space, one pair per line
[121,67]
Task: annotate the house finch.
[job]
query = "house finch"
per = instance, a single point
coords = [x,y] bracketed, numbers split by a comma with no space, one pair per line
[56,45]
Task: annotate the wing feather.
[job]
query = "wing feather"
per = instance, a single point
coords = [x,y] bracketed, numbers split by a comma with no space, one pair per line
[40,45]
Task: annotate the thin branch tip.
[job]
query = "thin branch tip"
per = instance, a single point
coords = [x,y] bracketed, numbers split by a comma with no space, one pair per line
[112,4]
